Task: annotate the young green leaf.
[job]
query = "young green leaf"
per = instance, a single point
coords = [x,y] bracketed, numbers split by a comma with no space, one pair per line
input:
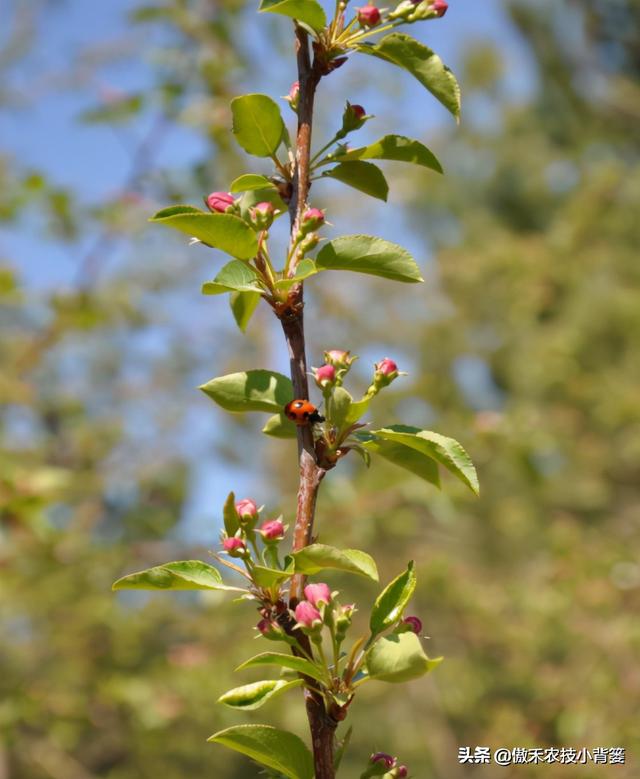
[363,176]
[398,658]
[320,557]
[394,147]
[404,456]
[226,232]
[277,749]
[250,181]
[269,577]
[304,269]
[423,63]
[257,124]
[290,662]
[179,575]
[447,451]
[230,515]
[357,409]
[392,601]
[253,696]
[308,11]
[256,390]
[243,304]
[367,254]
[339,407]
[235,276]
[278,426]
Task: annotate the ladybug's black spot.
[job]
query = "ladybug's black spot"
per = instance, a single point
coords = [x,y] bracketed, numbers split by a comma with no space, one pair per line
[305,415]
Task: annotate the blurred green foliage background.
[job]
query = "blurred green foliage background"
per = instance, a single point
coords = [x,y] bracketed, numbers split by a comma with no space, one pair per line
[523,344]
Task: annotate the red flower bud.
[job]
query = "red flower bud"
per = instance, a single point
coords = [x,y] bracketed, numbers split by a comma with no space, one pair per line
[368,16]
[247,509]
[359,111]
[272,530]
[440,7]
[324,375]
[317,593]
[220,202]
[312,219]
[386,367]
[234,546]
[415,623]
[307,615]
[402,771]
[383,757]
[293,98]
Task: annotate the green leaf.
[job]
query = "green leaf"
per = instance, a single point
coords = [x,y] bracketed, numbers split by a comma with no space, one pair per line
[256,390]
[226,232]
[278,426]
[394,147]
[339,407]
[319,557]
[363,176]
[270,577]
[250,181]
[230,515]
[366,254]
[304,269]
[392,601]
[253,696]
[447,451]
[277,749]
[398,658]
[179,575]
[243,304]
[403,456]
[423,63]
[308,11]
[357,410]
[235,276]
[257,124]
[291,662]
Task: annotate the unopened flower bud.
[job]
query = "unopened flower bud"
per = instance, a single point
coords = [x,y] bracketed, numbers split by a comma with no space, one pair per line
[270,629]
[262,215]
[325,376]
[369,16]
[401,771]
[386,372]
[353,118]
[307,615]
[312,219]
[343,618]
[308,243]
[404,10]
[234,547]
[247,509]
[272,530]
[317,593]
[383,757]
[221,202]
[440,7]
[293,98]
[339,358]
[413,623]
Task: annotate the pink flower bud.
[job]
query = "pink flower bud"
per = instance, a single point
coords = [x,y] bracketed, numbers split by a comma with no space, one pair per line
[440,7]
[293,98]
[415,623]
[272,530]
[386,367]
[339,358]
[220,202]
[325,375]
[317,593]
[353,118]
[307,615]
[312,219]
[247,509]
[402,771]
[234,546]
[368,16]
[359,111]
[383,757]
[270,629]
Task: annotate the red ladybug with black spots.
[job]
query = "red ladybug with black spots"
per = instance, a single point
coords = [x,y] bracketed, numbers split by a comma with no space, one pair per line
[302,412]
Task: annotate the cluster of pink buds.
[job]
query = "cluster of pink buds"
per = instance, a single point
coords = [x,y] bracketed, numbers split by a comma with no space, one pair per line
[336,365]
[271,532]
[383,764]
[319,610]
[262,215]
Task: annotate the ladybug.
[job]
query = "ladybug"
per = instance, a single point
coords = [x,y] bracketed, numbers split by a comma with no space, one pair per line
[302,412]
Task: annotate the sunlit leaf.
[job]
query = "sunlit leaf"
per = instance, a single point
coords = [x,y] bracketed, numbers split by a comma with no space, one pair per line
[253,696]
[392,601]
[363,176]
[320,557]
[398,658]
[250,181]
[290,662]
[256,390]
[257,124]
[278,426]
[394,147]
[367,254]
[243,304]
[235,276]
[179,575]
[308,11]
